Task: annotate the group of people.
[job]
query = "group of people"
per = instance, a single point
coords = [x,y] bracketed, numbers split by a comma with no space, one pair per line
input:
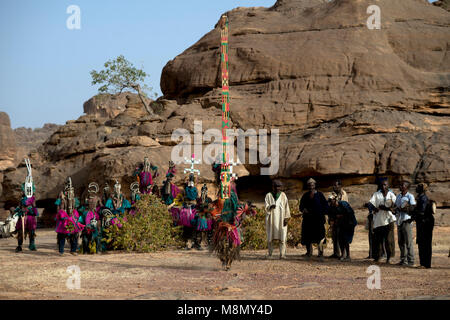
[220,221]
[197,214]
[314,207]
[385,211]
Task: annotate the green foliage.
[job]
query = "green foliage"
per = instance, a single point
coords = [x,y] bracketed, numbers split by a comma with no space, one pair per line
[295,225]
[119,74]
[254,229]
[149,229]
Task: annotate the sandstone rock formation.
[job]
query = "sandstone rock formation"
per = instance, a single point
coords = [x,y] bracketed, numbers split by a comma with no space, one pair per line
[349,103]
[8,148]
[106,105]
[29,139]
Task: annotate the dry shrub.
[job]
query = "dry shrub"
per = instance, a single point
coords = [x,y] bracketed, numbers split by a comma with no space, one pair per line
[149,229]
[254,229]
[295,225]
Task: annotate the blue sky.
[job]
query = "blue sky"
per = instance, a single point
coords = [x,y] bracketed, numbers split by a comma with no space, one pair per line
[44,66]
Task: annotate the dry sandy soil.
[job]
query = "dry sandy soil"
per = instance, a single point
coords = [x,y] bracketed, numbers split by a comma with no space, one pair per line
[179,274]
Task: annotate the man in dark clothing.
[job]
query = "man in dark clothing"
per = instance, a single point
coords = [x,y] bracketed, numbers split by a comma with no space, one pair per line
[314,207]
[423,215]
[345,224]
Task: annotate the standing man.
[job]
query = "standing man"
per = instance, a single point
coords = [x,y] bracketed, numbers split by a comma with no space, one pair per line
[277,217]
[314,207]
[423,215]
[381,205]
[404,205]
[344,225]
[27,213]
[340,195]
[146,175]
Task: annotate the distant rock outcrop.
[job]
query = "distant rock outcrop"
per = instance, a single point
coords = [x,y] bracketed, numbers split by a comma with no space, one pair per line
[30,139]
[8,147]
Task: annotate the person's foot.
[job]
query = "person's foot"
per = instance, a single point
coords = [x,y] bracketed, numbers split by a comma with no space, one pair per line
[369,257]
[74,253]
[388,261]
[307,255]
[333,256]
[410,264]
[283,257]
[61,253]
[19,249]
[346,259]
[401,263]
[32,247]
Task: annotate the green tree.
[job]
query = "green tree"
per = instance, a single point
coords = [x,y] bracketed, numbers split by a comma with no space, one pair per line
[120,74]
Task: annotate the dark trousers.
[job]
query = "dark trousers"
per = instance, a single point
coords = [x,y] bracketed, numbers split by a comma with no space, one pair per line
[87,238]
[384,234]
[424,242]
[334,237]
[31,235]
[371,240]
[72,238]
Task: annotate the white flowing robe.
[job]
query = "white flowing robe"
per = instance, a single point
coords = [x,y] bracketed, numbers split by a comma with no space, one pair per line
[275,218]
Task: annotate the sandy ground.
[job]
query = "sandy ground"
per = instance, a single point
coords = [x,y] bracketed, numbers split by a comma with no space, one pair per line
[180,274]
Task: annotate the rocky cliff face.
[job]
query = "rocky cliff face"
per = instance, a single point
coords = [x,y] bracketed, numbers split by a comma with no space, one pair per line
[350,103]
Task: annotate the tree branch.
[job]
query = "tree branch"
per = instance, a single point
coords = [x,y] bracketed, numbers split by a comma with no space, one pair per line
[147,107]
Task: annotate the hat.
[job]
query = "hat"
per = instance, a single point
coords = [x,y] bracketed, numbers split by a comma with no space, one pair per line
[311,180]
[278,183]
[423,185]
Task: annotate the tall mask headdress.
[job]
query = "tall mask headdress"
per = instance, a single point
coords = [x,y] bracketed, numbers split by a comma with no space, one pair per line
[134,188]
[117,188]
[28,187]
[93,189]
[70,194]
[147,165]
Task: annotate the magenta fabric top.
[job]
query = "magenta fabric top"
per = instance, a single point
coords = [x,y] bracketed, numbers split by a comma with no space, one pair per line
[63,220]
[91,215]
[30,222]
[175,190]
[145,179]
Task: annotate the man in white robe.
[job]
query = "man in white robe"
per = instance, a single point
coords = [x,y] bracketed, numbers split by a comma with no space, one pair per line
[277,216]
[382,203]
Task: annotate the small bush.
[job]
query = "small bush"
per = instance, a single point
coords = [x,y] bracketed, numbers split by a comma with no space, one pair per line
[149,229]
[295,225]
[254,229]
